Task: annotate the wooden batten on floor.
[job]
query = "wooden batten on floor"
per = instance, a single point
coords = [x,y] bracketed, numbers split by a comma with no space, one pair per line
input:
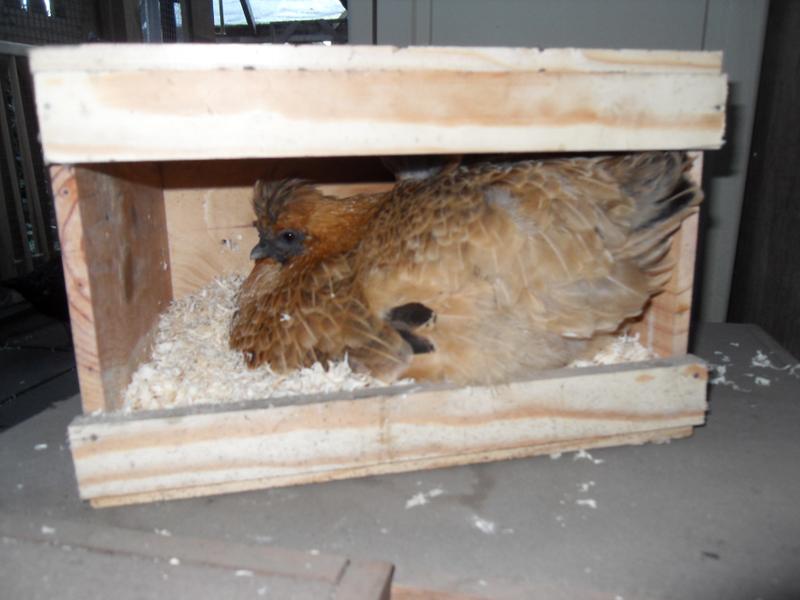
[140,457]
[287,573]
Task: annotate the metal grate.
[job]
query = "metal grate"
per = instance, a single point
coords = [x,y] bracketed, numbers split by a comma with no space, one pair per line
[52,22]
[27,220]
[28,235]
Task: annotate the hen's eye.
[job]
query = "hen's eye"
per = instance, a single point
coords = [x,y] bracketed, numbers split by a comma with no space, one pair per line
[288,236]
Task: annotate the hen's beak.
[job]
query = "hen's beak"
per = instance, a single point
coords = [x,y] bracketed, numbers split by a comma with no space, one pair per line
[264,249]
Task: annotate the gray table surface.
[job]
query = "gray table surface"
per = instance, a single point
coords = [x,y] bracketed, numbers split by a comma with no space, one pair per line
[712,516]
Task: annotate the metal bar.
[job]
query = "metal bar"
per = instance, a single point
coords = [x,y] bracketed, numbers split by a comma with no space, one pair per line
[8,151]
[248,15]
[287,33]
[182,32]
[8,266]
[150,11]
[26,156]
[14,49]
[221,18]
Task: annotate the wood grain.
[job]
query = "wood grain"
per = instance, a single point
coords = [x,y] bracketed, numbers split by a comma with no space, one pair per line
[404,592]
[121,459]
[200,57]
[162,106]
[665,325]
[112,227]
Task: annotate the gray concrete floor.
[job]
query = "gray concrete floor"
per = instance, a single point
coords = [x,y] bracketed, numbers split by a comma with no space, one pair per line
[712,516]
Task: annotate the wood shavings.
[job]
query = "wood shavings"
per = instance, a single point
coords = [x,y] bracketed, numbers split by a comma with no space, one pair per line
[192,364]
[625,348]
[483,525]
[584,455]
[719,372]
[422,498]
[761,360]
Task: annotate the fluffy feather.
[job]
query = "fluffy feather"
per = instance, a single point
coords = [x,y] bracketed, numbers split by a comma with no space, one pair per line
[476,274]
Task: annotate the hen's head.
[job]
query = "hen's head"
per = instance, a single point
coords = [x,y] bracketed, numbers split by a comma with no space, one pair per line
[294,218]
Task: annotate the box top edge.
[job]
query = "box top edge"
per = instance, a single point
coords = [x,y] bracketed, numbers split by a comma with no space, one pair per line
[132,57]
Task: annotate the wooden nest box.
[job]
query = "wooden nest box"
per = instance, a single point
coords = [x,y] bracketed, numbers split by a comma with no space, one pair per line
[154,151]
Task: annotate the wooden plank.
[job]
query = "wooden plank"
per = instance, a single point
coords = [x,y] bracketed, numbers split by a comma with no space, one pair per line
[121,459]
[366,579]
[665,325]
[112,227]
[104,57]
[286,573]
[101,103]
[404,592]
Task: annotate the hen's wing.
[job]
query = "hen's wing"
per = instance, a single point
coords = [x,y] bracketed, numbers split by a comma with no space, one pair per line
[598,232]
[293,317]
[512,259]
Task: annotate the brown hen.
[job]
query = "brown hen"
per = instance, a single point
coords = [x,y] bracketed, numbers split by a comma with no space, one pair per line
[476,274]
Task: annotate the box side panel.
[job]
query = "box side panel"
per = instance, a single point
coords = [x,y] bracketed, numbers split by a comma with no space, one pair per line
[214,450]
[665,325]
[76,280]
[114,238]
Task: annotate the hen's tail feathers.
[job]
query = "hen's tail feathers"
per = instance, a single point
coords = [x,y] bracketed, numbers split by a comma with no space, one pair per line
[663,197]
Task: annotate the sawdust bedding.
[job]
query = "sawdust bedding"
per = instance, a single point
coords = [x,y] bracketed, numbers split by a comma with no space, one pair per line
[192,364]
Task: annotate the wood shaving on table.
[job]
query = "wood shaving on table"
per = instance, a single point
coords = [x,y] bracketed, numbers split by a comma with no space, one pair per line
[192,364]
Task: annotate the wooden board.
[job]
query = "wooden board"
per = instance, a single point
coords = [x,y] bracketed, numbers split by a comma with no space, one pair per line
[665,325]
[112,227]
[86,559]
[103,103]
[141,457]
